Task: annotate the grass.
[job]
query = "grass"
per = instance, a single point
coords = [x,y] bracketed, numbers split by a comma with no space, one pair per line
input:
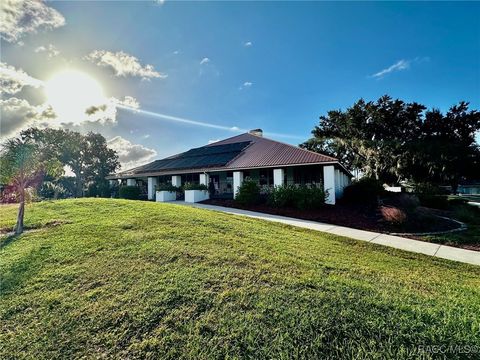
[130,279]
[468,214]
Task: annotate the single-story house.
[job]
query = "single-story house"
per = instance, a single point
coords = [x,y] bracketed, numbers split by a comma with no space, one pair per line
[228,162]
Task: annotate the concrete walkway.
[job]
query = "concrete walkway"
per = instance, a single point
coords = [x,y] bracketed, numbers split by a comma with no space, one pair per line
[422,247]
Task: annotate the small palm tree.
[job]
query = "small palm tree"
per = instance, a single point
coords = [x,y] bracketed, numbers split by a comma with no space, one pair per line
[22,166]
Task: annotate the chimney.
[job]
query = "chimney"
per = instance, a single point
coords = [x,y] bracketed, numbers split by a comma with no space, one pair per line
[256,132]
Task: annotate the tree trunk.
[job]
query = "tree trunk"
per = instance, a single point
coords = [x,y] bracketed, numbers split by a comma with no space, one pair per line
[21,211]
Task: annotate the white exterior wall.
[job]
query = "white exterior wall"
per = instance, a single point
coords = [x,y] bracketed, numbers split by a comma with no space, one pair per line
[193,196]
[237,182]
[278,177]
[177,180]
[163,196]
[131,182]
[204,179]
[151,183]
[329,183]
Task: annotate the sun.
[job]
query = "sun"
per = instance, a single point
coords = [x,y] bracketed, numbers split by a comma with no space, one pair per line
[71,93]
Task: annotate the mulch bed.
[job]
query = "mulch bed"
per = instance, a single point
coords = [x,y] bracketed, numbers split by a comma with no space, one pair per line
[354,216]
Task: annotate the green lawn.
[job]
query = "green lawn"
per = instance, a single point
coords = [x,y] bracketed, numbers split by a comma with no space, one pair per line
[130,279]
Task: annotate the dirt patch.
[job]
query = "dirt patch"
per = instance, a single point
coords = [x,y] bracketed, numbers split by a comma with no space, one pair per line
[50,224]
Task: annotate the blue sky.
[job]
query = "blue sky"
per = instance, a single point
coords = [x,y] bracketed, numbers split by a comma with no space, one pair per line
[277,66]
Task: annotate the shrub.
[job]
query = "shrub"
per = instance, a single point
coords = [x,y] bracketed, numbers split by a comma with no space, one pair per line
[365,190]
[434,201]
[393,215]
[407,202]
[467,213]
[302,197]
[428,189]
[129,192]
[248,193]
[167,187]
[191,186]
[457,201]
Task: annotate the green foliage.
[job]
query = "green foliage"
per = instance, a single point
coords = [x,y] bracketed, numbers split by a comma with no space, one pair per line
[192,186]
[428,189]
[363,191]
[467,213]
[248,193]
[52,190]
[166,187]
[88,156]
[391,140]
[129,192]
[434,201]
[299,197]
[22,168]
[133,280]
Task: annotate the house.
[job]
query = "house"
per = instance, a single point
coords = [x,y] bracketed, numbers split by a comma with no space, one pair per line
[228,162]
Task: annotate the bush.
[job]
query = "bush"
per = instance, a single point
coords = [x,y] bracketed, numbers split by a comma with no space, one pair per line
[407,202]
[365,190]
[428,189]
[434,201]
[129,192]
[191,186]
[248,193]
[167,187]
[393,215]
[302,197]
[51,190]
[467,213]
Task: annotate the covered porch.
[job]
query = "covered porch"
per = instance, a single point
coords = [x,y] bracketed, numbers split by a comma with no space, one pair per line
[331,177]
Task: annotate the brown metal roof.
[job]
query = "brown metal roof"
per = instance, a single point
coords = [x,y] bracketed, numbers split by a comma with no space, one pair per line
[266,152]
[260,152]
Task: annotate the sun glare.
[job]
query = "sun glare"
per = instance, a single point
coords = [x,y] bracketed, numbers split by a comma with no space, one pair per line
[71,92]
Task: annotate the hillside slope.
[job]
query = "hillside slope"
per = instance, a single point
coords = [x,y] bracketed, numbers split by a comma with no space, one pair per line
[130,279]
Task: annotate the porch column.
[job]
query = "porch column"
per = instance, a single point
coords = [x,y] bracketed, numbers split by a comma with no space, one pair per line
[278,177]
[177,180]
[204,179]
[329,183]
[131,182]
[151,183]
[237,182]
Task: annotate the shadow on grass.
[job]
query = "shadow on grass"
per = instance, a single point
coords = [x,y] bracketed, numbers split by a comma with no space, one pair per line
[24,269]
[8,239]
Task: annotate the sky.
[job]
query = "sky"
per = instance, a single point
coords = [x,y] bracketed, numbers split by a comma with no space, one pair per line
[157,78]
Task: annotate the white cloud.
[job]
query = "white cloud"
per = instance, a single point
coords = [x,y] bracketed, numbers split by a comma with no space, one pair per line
[176,52]
[13,80]
[107,113]
[19,114]
[123,64]
[50,49]
[130,101]
[20,17]
[248,44]
[398,66]
[246,85]
[129,154]
[205,60]
[213,141]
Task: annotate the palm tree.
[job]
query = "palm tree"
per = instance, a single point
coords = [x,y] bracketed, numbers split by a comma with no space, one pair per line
[22,166]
